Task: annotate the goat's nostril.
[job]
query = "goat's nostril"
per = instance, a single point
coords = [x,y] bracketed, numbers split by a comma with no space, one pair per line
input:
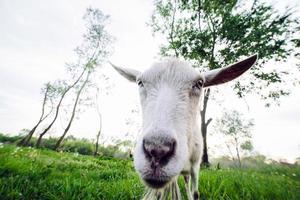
[171,150]
[172,145]
[154,153]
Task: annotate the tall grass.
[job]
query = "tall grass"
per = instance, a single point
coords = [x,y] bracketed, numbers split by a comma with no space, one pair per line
[28,173]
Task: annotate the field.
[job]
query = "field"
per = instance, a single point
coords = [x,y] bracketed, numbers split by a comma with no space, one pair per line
[28,173]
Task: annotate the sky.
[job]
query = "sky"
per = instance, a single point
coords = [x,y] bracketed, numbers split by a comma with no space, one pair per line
[37,38]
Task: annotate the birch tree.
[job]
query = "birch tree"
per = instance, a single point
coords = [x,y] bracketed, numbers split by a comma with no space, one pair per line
[92,54]
[49,92]
[237,132]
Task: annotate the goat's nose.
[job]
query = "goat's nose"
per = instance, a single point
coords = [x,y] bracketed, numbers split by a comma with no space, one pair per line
[158,151]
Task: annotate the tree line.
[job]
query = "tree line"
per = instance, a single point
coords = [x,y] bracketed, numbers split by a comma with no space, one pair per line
[90,55]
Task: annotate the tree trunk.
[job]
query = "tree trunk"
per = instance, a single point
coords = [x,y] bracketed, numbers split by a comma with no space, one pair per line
[204,125]
[58,143]
[238,152]
[27,138]
[97,143]
[39,141]
[100,128]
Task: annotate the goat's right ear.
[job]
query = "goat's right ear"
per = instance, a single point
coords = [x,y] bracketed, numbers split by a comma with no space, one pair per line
[129,74]
[225,74]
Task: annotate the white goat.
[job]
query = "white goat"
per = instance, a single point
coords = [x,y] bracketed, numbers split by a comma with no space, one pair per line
[171,139]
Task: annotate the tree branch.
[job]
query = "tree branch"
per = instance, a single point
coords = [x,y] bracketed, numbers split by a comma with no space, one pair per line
[199,15]
[208,121]
[172,28]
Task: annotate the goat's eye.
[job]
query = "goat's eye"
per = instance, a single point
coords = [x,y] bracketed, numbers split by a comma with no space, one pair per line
[140,83]
[198,84]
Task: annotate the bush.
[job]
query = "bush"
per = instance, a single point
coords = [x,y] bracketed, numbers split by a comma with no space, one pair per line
[70,144]
[9,139]
[80,146]
[49,143]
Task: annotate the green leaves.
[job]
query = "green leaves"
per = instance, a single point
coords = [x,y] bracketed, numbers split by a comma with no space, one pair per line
[217,33]
[237,133]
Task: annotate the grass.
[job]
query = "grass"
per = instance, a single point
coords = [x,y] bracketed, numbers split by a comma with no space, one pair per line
[27,173]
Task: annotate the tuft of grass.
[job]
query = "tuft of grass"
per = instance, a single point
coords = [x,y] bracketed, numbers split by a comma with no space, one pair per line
[28,173]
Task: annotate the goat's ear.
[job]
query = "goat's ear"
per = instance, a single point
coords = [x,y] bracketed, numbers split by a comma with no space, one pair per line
[223,75]
[129,74]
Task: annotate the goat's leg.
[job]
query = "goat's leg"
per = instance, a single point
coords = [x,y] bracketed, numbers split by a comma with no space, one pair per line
[187,185]
[194,178]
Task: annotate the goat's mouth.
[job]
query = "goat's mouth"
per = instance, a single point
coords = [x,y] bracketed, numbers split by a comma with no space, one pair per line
[156,183]
[155,177]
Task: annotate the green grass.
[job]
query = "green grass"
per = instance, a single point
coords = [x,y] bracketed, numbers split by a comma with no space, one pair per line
[27,173]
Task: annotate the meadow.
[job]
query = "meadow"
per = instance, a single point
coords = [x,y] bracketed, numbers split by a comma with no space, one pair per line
[29,173]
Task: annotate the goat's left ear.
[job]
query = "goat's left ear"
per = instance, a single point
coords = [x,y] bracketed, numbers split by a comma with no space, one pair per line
[129,74]
[223,75]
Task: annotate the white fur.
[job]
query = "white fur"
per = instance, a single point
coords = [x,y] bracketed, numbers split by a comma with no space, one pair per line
[171,109]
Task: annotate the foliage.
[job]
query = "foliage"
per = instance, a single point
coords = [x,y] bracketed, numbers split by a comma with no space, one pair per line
[217,33]
[75,145]
[9,139]
[52,175]
[80,146]
[49,143]
[96,44]
[255,161]
[90,55]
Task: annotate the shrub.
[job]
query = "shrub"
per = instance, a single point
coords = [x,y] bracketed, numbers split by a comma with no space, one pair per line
[80,146]
[9,139]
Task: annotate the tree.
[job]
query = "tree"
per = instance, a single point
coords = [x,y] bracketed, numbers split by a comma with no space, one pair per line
[73,112]
[237,131]
[215,33]
[103,88]
[92,53]
[62,88]
[48,95]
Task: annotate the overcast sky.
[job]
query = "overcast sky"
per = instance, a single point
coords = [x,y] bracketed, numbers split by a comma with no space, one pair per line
[38,37]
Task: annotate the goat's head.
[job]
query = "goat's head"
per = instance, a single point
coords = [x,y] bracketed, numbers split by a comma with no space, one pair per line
[170,94]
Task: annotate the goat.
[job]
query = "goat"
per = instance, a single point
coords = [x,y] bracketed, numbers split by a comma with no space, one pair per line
[171,141]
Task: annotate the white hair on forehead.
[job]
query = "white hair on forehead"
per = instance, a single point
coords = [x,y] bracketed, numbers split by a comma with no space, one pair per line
[171,70]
